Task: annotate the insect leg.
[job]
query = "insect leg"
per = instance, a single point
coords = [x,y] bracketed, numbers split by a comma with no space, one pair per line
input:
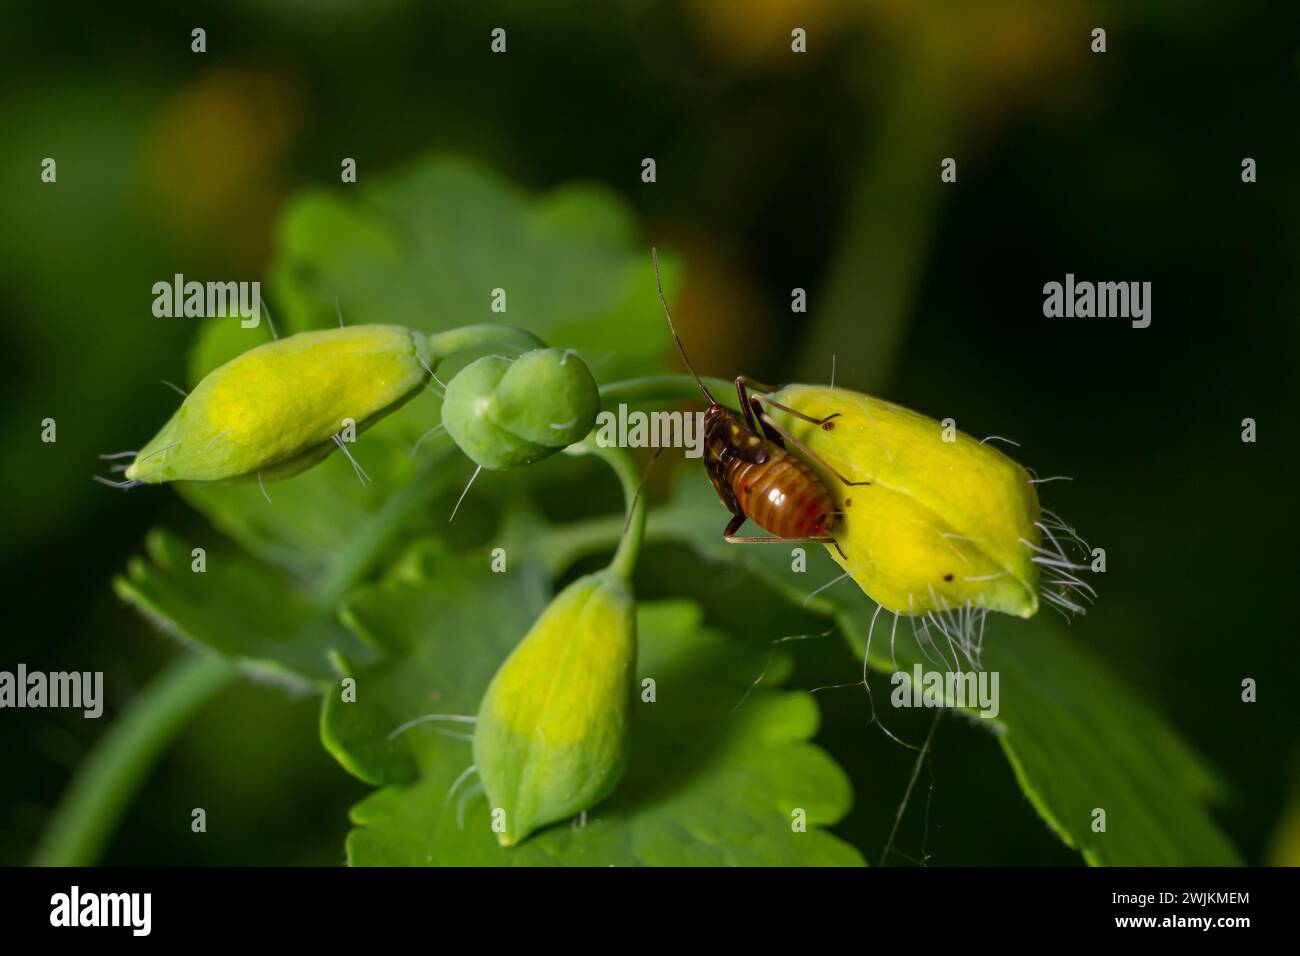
[809,452]
[756,385]
[744,403]
[768,431]
[823,422]
[754,411]
[732,538]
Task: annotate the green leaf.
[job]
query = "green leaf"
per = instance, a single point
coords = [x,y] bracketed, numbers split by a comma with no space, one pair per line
[427,246]
[423,248]
[310,523]
[1076,737]
[236,606]
[706,783]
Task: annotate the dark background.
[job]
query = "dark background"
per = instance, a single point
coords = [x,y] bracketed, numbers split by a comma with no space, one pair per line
[774,171]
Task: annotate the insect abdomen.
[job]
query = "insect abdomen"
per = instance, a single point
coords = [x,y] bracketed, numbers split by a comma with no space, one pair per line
[783,496]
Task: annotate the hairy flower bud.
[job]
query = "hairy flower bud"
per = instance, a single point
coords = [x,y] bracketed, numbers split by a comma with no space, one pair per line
[947,521]
[552,729]
[274,410]
[504,413]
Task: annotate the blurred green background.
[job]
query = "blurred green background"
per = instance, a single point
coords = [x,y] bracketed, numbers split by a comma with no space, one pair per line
[775,171]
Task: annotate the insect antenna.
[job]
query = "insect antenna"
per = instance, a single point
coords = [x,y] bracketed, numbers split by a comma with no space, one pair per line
[680,348]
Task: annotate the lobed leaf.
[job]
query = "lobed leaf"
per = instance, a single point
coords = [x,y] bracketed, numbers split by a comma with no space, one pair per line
[706,784]
[427,246]
[237,607]
[1077,739]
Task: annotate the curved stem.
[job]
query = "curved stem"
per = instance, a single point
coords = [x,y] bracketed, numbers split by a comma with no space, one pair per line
[104,784]
[108,778]
[666,388]
[892,208]
[443,345]
[624,465]
[629,548]
[559,546]
[373,536]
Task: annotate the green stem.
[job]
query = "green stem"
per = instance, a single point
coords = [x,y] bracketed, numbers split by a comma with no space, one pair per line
[90,808]
[92,805]
[562,545]
[363,548]
[107,779]
[624,465]
[559,546]
[443,345]
[892,207]
[654,389]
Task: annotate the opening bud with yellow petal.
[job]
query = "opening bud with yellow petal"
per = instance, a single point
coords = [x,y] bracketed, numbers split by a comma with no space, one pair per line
[551,735]
[509,412]
[947,522]
[274,410]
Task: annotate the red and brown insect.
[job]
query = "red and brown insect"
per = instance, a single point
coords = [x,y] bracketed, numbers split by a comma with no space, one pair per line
[753,471]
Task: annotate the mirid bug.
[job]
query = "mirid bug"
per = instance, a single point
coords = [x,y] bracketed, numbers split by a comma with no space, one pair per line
[753,471]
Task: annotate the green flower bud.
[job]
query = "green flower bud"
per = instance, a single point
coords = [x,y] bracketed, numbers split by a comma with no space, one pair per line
[273,411]
[947,521]
[552,730]
[505,413]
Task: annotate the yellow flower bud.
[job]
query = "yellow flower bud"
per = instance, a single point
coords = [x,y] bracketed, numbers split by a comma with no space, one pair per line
[274,410]
[946,523]
[552,729]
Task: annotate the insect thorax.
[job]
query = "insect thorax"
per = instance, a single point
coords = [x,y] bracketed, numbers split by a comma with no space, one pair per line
[726,436]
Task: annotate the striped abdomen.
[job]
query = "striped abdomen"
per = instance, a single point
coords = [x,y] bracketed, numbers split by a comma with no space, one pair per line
[783,496]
